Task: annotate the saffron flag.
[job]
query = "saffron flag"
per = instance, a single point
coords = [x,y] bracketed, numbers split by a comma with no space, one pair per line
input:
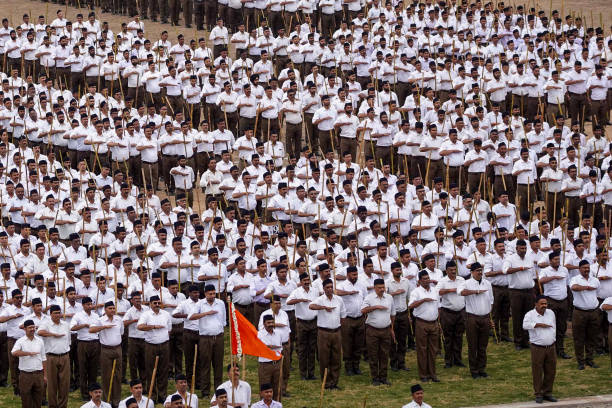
[244,338]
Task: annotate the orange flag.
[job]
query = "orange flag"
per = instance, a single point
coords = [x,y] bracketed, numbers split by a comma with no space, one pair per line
[243,333]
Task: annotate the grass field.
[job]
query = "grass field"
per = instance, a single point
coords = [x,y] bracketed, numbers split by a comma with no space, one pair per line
[509,381]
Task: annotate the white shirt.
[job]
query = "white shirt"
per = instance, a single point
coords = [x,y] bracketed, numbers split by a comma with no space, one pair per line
[379,319]
[56,345]
[556,288]
[110,337]
[162,318]
[213,324]
[427,310]
[330,320]
[541,336]
[477,304]
[31,363]
[520,279]
[241,394]
[452,300]
[585,299]
[272,340]
[302,311]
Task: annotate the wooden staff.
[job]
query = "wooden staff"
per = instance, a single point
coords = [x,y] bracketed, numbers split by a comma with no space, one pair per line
[280,377]
[322,388]
[110,387]
[152,380]
[193,374]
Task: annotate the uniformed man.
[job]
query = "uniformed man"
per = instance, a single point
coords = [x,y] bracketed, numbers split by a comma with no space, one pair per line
[30,350]
[478,295]
[424,301]
[352,291]
[380,310]
[330,312]
[399,288]
[157,324]
[585,319]
[306,323]
[269,370]
[452,315]
[88,346]
[540,324]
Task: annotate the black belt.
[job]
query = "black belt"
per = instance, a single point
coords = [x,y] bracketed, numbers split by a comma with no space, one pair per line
[306,321]
[377,328]
[354,318]
[522,290]
[158,344]
[57,355]
[88,341]
[191,331]
[325,329]
[477,316]
[109,347]
[544,347]
[425,321]
[274,362]
[31,372]
[263,304]
[446,309]
[146,162]
[401,313]
[500,286]
[584,310]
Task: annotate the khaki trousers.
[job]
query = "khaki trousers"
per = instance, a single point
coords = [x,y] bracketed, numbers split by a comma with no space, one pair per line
[306,346]
[427,340]
[477,332]
[210,351]
[329,347]
[378,343]
[108,354]
[543,369]
[31,389]
[58,380]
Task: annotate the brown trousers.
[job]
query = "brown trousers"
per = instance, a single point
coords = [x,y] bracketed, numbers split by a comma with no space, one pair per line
[107,356]
[13,364]
[4,364]
[501,310]
[269,373]
[293,138]
[477,332]
[499,186]
[353,331]
[151,174]
[136,358]
[286,361]
[402,329]
[310,135]
[561,312]
[31,389]
[161,377]
[348,145]
[58,380]
[176,349]
[258,309]
[578,107]
[74,361]
[306,346]
[476,181]
[427,340]
[585,325]
[378,343]
[89,359]
[191,338]
[521,301]
[247,311]
[329,347]
[325,140]
[521,190]
[210,349]
[543,369]
[453,326]
[598,111]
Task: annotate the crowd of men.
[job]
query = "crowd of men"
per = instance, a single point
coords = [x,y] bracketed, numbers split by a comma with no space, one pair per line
[357,178]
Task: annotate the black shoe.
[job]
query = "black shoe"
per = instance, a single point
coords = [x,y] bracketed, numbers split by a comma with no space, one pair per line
[475,375]
[350,372]
[507,339]
[154,20]
[581,366]
[44,403]
[550,398]
[403,368]
[3,384]
[304,378]
[200,28]
[286,395]
[539,400]
[459,364]
[187,25]
[335,387]
[518,348]
[375,383]
[483,374]
[424,379]
[394,368]
[385,382]
[311,377]
[357,371]
[565,356]
[592,364]
[435,379]
[447,365]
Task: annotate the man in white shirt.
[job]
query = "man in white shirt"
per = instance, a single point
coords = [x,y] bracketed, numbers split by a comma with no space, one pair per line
[379,308]
[452,315]
[417,398]
[306,324]
[478,295]
[30,350]
[209,313]
[585,319]
[540,323]
[425,302]
[56,335]
[95,393]
[269,370]
[157,324]
[330,310]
